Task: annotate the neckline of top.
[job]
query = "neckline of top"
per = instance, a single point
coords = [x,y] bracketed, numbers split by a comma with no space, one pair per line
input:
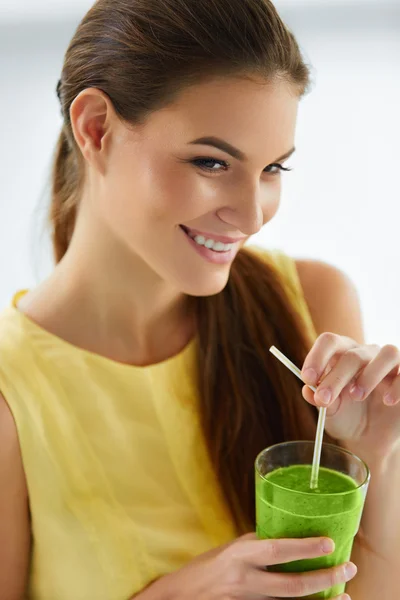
[89,354]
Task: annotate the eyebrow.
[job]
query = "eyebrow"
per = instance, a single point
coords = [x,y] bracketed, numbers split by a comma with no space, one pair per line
[223,145]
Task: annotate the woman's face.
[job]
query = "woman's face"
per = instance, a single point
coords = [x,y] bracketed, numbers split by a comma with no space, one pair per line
[161,189]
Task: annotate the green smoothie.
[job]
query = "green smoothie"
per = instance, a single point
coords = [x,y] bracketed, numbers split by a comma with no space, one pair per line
[286,507]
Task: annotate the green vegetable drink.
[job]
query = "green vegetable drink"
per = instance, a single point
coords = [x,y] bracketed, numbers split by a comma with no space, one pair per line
[286,507]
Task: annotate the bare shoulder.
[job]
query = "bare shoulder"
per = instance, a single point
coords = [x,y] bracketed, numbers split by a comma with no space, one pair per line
[332,298]
[14,510]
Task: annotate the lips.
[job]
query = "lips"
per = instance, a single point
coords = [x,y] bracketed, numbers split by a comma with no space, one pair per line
[211,255]
[211,236]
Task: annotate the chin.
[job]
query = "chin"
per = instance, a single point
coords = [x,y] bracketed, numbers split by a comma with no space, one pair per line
[205,286]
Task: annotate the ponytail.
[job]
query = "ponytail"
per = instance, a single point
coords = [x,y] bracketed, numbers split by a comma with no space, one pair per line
[64,195]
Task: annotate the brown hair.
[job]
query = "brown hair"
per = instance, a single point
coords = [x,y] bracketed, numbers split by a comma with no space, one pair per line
[141,54]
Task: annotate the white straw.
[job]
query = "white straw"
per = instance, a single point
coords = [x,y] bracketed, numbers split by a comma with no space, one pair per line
[321,418]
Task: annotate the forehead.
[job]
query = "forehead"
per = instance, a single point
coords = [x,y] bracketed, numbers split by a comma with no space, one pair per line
[251,114]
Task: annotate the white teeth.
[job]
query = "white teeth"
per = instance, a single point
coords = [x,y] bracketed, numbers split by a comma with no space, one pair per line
[211,244]
[200,240]
[219,247]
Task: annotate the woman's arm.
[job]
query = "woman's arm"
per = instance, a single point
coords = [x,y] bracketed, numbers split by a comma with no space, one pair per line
[158,590]
[14,513]
[379,571]
[334,306]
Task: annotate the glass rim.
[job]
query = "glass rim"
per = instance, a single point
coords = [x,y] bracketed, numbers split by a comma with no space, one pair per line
[338,449]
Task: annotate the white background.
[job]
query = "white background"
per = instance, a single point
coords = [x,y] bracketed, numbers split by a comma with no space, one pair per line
[341,202]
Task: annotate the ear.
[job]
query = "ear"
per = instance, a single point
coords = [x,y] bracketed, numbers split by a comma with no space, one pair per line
[91,115]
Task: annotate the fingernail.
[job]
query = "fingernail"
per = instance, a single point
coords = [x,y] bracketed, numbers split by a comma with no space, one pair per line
[310,376]
[328,546]
[324,396]
[356,392]
[350,570]
[388,399]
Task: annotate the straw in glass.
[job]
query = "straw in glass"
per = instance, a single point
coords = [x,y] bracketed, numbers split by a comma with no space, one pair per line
[321,418]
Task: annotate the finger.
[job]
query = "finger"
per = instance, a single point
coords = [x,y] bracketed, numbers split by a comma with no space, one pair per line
[392,396]
[298,585]
[324,349]
[350,364]
[382,365]
[308,395]
[394,372]
[264,553]
[332,409]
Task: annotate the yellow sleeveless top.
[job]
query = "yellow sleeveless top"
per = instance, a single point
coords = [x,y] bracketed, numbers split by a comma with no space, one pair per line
[120,484]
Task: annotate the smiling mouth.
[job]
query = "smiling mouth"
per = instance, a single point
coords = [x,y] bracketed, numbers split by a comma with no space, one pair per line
[208,242]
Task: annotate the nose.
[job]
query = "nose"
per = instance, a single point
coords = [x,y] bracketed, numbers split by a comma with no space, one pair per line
[245,212]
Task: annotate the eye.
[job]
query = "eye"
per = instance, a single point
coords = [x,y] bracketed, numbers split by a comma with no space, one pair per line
[277,166]
[207,163]
[201,162]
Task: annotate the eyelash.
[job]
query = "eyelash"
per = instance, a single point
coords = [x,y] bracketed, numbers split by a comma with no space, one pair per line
[227,165]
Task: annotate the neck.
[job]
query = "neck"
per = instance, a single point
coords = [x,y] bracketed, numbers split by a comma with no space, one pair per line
[106,299]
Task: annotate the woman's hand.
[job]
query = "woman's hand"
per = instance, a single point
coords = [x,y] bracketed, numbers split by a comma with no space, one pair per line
[236,571]
[365,420]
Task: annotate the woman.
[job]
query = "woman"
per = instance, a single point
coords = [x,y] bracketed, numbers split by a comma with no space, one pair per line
[137,382]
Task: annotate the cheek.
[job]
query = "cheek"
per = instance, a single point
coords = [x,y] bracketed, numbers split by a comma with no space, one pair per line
[272,207]
[168,192]
[174,193]
[141,194]
[271,200]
